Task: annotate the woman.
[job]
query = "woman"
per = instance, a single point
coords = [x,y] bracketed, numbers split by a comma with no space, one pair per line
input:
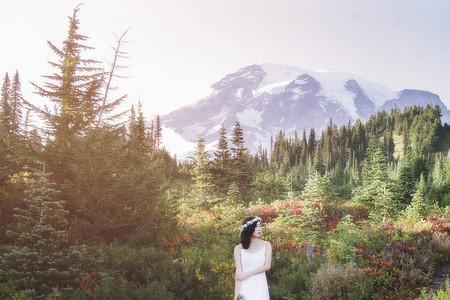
[253,257]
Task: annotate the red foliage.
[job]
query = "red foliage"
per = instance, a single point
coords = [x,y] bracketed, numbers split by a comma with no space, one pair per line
[371,272]
[168,244]
[357,213]
[88,282]
[396,248]
[360,250]
[265,211]
[388,228]
[180,240]
[287,246]
[294,207]
[331,222]
[439,224]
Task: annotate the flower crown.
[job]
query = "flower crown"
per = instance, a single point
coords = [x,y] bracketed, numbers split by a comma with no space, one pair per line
[250,222]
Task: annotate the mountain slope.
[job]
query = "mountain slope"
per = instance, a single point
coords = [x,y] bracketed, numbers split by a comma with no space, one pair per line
[267,98]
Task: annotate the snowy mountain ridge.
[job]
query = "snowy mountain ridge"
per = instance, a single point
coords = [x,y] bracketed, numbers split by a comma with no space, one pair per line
[267,98]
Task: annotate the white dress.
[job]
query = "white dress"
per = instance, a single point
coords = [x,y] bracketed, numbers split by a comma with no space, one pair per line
[255,287]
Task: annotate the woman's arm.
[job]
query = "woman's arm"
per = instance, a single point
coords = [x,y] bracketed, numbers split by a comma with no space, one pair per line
[237,288]
[266,267]
[237,262]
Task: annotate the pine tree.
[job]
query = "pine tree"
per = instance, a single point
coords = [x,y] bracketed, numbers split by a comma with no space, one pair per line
[319,165]
[375,188]
[318,188]
[158,134]
[418,206]
[74,88]
[311,142]
[202,177]
[312,221]
[132,123]
[140,129]
[78,90]
[41,238]
[385,205]
[221,163]
[240,167]
[138,139]
[406,180]
[222,154]
[233,194]
[5,109]
[16,104]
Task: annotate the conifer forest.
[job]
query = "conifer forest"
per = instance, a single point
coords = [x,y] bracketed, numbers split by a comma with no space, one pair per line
[93,206]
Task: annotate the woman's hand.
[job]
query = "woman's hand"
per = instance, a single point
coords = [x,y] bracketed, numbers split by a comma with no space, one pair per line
[242,276]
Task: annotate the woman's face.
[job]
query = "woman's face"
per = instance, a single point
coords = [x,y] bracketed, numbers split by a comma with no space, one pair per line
[258,230]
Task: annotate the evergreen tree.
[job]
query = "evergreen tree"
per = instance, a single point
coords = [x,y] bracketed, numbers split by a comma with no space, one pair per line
[312,221]
[138,139]
[16,104]
[85,144]
[74,88]
[385,205]
[157,134]
[41,238]
[240,167]
[318,188]
[202,177]
[418,206]
[375,188]
[319,165]
[311,142]
[233,194]
[406,180]
[5,109]
[221,163]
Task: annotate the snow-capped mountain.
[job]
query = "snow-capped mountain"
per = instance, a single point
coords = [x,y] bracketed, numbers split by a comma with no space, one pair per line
[266,98]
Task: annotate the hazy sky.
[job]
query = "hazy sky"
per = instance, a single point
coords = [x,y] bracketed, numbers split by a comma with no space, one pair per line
[178,48]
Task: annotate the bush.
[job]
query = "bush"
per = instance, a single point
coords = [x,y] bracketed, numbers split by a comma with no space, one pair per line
[9,292]
[334,281]
[110,288]
[442,294]
[139,268]
[343,241]
[293,279]
[441,245]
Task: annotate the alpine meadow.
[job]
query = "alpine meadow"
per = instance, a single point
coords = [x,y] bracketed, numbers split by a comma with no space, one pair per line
[93,205]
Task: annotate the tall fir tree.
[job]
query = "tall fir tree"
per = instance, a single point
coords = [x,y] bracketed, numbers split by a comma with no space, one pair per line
[41,241]
[202,177]
[221,163]
[375,188]
[74,87]
[158,134]
[319,165]
[5,109]
[318,188]
[241,173]
[418,207]
[16,104]
[311,142]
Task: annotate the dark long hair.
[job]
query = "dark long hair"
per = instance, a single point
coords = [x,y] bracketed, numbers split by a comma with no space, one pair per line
[247,233]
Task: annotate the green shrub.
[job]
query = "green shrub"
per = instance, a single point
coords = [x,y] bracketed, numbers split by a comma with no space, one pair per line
[442,294]
[110,288]
[334,281]
[9,292]
[343,240]
[293,281]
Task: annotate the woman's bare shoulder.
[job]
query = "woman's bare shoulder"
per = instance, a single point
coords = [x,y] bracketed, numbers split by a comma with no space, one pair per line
[238,247]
